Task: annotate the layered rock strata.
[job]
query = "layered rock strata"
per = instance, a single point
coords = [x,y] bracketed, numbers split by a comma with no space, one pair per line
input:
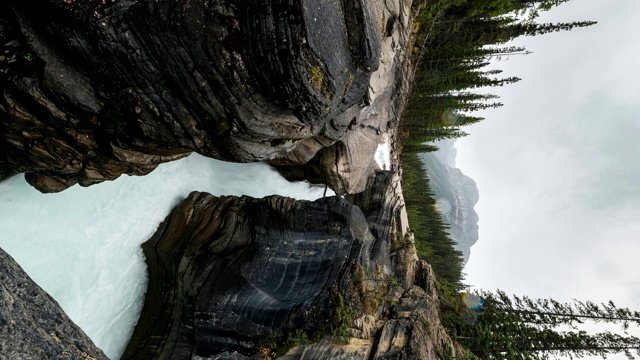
[233,278]
[32,324]
[95,89]
[225,272]
[342,156]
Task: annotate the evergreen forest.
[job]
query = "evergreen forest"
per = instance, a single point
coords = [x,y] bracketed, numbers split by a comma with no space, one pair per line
[454,41]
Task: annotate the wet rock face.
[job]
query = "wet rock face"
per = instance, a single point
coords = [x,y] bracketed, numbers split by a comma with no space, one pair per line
[32,324]
[95,89]
[227,272]
[230,278]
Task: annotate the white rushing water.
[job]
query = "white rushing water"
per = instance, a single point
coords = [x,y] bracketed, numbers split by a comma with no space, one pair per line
[382,155]
[82,246]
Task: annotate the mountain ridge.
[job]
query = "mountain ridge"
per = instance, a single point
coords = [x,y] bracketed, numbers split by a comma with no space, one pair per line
[456,195]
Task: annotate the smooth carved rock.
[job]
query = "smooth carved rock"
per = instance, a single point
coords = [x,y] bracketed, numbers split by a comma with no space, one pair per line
[228,275]
[94,89]
[344,166]
[227,272]
[330,67]
[343,158]
[32,324]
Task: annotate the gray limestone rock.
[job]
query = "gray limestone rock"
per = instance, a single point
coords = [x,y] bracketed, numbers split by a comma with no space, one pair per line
[32,324]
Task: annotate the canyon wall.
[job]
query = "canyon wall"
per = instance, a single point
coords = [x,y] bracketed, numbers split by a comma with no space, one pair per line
[32,324]
[95,89]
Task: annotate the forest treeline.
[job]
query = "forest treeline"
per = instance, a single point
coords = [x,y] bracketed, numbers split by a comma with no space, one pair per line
[455,40]
[433,243]
[497,326]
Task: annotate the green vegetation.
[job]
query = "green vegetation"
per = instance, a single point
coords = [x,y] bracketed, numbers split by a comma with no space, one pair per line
[338,326]
[433,243]
[316,77]
[505,327]
[454,41]
[222,126]
[276,345]
[343,316]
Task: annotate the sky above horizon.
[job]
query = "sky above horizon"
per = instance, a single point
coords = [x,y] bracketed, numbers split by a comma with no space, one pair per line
[558,166]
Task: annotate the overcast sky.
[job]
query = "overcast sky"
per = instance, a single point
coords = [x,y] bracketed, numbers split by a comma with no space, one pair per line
[558,167]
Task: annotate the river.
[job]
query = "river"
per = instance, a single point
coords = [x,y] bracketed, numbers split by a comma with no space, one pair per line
[82,245]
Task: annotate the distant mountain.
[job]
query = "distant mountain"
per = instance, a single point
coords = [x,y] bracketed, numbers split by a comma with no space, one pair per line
[456,194]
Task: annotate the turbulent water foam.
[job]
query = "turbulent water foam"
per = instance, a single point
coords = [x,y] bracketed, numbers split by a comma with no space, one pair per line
[382,156]
[83,245]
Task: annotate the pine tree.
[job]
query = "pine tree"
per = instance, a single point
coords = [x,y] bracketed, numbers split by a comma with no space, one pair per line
[510,327]
[552,313]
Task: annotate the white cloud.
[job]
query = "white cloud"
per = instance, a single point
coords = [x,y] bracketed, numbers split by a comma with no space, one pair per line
[558,166]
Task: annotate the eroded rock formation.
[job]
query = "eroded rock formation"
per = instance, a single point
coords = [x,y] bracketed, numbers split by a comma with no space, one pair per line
[94,89]
[226,272]
[230,277]
[341,155]
[32,324]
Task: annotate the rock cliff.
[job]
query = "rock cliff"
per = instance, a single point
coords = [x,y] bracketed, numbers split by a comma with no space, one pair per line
[32,324]
[96,89]
[342,156]
[235,277]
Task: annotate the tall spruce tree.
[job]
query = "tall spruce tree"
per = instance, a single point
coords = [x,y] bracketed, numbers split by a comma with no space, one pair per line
[551,313]
[513,327]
